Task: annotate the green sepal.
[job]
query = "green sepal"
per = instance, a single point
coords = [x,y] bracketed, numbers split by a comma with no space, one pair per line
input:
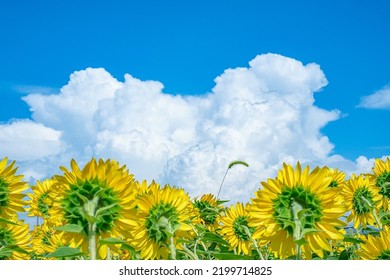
[5,252]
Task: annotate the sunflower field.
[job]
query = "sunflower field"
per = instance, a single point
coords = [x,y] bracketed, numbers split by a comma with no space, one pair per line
[99,211]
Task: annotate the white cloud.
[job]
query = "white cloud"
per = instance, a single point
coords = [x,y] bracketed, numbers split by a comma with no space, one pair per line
[73,109]
[144,127]
[27,140]
[378,100]
[263,114]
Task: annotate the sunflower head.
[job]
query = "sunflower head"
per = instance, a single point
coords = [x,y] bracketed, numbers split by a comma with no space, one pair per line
[381,179]
[298,199]
[235,229]
[100,194]
[362,199]
[297,206]
[376,247]
[40,199]
[163,215]
[11,190]
[337,178]
[45,240]
[208,211]
[15,234]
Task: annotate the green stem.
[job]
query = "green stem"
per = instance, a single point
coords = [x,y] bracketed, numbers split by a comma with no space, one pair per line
[257,249]
[246,229]
[92,241]
[299,252]
[374,213]
[233,163]
[331,247]
[172,248]
[297,234]
[169,229]
[190,253]
[223,180]
[90,212]
[378,221]
[266,252]
[108,253]
[201,243]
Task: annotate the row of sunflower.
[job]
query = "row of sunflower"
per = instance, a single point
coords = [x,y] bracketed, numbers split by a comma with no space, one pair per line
[101,212]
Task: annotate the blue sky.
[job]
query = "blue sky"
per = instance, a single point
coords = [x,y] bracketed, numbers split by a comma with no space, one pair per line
[186,45]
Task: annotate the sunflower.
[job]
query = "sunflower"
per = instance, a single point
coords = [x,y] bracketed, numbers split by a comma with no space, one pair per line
[381,179]
[15,236]
[99,199]
[376,247]
[363,201]
[163,215]
[11,190]
[297,208]
[40,201]
[337,178]
[209,210]
[46,240]
[235,229]
[143,187]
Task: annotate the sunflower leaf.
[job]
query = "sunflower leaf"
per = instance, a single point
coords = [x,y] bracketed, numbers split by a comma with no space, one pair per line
[70,228]
[353,240]
[111,240]
[126,246]
[64,252]
[211,237]
[346,255]
[219,202]
[230,256]
[16,248]
[309,230]
[134,254]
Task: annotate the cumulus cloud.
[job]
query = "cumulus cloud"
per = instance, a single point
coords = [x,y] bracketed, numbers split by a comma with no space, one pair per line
[263,114]
[378,100]
[26,140]
[72,110]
